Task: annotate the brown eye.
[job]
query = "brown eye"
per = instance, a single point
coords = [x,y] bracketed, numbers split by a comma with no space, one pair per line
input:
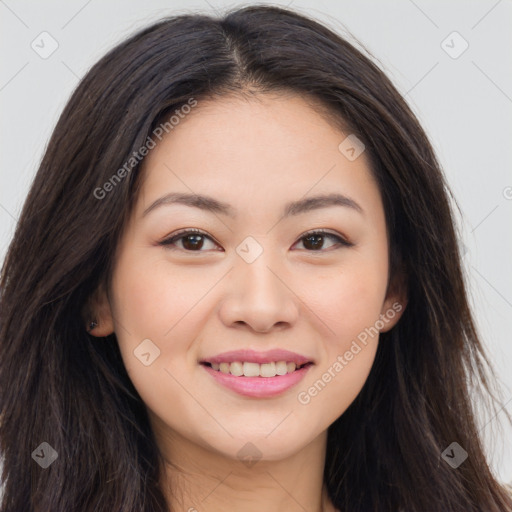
[314,241]
[191,241]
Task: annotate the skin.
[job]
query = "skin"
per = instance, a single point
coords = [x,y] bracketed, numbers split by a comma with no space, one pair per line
[257,155]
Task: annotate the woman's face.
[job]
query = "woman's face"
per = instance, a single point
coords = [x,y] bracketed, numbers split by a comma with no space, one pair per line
[256,178]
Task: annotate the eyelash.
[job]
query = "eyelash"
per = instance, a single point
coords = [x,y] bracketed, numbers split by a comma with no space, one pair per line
[182,234]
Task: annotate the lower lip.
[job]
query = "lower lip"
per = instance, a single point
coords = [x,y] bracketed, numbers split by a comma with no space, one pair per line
[258,387]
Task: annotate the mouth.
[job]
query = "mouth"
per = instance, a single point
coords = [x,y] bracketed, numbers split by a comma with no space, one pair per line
[257,374]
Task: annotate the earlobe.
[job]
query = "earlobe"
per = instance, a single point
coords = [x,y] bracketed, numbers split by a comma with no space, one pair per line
[394,305]
[391,313]
[98,315]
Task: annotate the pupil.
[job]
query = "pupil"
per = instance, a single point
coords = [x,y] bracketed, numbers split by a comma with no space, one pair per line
[196,242]
[317,241]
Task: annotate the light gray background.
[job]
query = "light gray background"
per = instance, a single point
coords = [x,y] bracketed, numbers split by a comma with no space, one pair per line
[464,103]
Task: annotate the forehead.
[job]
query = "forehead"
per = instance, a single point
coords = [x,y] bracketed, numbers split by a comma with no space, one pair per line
[267,146]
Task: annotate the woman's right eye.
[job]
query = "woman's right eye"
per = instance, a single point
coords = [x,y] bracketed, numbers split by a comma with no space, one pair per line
[192,240]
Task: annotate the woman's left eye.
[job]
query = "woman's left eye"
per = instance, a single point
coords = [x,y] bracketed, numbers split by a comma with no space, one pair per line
[315,239]
[194,240]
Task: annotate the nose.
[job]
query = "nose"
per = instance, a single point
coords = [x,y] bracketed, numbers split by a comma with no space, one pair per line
[258,297]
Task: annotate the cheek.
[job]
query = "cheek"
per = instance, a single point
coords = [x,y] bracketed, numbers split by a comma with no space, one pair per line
[153,301]
[348,300]
[350,307]
[153,297]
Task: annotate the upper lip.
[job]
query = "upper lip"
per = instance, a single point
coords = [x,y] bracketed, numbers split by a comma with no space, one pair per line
[252,356]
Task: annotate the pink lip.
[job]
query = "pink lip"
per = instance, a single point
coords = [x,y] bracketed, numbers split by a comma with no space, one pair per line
[252,356]
[258,387]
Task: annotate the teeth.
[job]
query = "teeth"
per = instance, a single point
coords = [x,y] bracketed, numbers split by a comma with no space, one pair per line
[236,369]
[251,369]
[268,370]
[281,368]
[247,369]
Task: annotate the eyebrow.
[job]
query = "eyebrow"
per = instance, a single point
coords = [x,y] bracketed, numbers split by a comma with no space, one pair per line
[212,205]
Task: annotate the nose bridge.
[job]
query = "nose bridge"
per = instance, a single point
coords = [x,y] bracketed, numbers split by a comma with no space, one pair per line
[257,275]
[258,295]
[253,271]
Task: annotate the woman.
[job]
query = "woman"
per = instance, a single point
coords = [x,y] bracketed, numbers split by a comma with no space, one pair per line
[236,284]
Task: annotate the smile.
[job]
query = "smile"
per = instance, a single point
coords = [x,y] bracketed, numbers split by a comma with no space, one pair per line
[257,374]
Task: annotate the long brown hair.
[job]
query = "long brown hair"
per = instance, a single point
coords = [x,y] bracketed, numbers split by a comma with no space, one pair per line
[60,386]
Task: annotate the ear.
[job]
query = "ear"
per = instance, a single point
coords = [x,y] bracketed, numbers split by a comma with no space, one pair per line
[97,314]
[395,303]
